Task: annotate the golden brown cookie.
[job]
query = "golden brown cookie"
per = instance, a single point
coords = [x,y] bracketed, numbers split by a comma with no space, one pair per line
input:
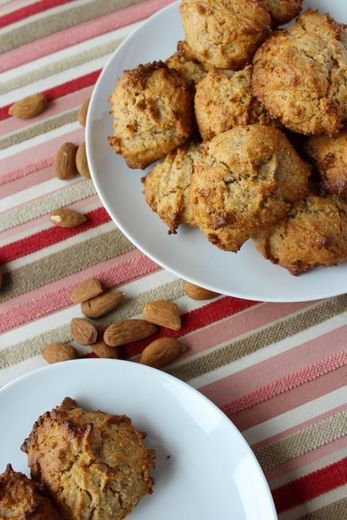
[300,75]
[224,99]
[185,64]
[248,178]
[330,157]
[94,464]
[152,107]
[282,11]
[224,33]
[314,233]
[23,499]
[167,186]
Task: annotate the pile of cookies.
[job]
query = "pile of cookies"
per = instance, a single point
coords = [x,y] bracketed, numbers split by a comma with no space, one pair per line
[248,121]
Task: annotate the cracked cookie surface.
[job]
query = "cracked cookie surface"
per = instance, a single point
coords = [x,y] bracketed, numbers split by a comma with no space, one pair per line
[314,233]
[247,179]
[152,107]
[224,33]
[300,75]
[94,464]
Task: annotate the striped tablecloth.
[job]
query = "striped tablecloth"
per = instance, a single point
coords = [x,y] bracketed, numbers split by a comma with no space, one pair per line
[277,370]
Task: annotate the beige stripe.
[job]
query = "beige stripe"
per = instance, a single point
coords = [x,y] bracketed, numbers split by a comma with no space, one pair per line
[336,511]
[41,128]
[303,441]
[52,23]
[32,346]
[64,263]
[59,66]
[260,339]
[44,205]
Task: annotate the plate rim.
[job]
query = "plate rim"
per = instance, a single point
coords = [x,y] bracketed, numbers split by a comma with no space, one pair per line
[301,293]
[158,374]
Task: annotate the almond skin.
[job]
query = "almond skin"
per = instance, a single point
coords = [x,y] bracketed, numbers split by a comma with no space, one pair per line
[83,331]
[198,293]
[56,352]
[81,161]
[66,218]
[102,304]
[82,113]
[163,313]
[127,331]
[29,106]
[86,290]
[64,166]
[104,351]
[161,352]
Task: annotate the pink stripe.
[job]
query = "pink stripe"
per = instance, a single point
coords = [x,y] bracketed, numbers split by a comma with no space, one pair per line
[17,165]
[300,426]
[246,321]
[32,225]
[14,5]
[56,107]
[300,462]
[84,31]
[35,304]
[246,384]
[287,383]
[288,401]
[29,181]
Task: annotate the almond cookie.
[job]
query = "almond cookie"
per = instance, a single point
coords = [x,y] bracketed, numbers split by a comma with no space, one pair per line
[282,11]
[94,464]
[166,187]
[22,498]
[224,99]
[185,64]
[314,233]
[330,158]
[152,107]
[247,179]
[300,75]
[224,33]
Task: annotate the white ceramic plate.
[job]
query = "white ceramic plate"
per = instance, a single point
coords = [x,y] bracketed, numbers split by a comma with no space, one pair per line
[211,473]
[188,254]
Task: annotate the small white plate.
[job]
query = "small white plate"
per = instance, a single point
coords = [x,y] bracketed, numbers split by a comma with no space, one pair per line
[188,254]
[204,468]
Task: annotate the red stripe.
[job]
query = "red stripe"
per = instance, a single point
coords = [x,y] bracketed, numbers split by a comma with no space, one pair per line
[29,10]
[62,90]
[310,486]
[193,320]
[50,236]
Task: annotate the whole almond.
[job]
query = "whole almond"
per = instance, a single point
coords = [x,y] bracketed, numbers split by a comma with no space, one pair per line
[29,106]
[64,165]
[86,290]
[66,218]
[83,331]
[161,352]
[104,351]
[198,293]
[127,331]
[82,113]
[81,161]
[56,352]
[163,313]
[102,304]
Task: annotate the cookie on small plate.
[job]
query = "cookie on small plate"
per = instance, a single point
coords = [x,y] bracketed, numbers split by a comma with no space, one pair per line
[185,64]
[24,499]
[93,464]
[152,107]
[282,11]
